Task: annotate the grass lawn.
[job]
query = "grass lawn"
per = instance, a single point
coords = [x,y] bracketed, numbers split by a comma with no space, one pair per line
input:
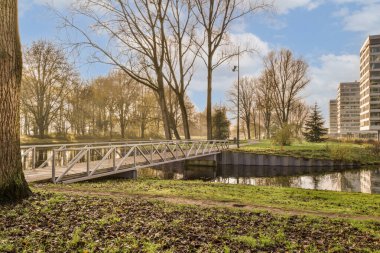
[53,221]
[287,198]
[364,153]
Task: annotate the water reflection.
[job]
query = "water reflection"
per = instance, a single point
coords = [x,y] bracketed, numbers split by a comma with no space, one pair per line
[335,179]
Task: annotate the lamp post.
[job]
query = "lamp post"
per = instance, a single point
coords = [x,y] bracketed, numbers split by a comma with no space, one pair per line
[237,68]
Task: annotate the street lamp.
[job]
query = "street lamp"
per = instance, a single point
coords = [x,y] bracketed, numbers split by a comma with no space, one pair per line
[237,68]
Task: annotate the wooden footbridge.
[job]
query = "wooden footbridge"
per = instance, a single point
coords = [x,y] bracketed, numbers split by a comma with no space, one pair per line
[68,163]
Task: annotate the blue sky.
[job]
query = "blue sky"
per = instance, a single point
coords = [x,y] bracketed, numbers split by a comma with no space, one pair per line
[328,34]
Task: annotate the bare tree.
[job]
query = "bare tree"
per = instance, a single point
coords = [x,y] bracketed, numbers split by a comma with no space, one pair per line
[174,111]
[287,77]
[13,185]
[125,91]
[264,100]
[136,40]
[216,18]
[147,105]
[247,101]
[298,116]
[46,80]
[111,105]
[80,110]
[181,53]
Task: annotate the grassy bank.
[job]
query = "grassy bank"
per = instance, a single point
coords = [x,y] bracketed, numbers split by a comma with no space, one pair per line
[363,153]
[288,198]
[56,222]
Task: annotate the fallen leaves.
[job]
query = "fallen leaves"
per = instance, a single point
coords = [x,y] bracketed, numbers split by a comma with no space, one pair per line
[49,222]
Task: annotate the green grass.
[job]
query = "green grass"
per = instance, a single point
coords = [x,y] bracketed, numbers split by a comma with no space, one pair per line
[288,198]
[325,150]
[54,222]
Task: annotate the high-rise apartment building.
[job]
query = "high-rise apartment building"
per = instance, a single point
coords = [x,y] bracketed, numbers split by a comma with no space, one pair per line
[333,112]
[370,84]
[348,108]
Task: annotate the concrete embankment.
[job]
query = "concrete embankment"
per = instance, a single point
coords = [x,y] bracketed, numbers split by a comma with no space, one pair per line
[241,158]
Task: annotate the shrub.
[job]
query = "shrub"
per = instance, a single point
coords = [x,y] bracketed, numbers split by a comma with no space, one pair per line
[70,137]
[370,141]
[341,153]
[374,149]
[358,141]
[283,136]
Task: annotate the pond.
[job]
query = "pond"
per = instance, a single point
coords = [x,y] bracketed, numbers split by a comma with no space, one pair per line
[365,180]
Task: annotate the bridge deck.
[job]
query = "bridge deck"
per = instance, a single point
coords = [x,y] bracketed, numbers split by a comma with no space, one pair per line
[91,162]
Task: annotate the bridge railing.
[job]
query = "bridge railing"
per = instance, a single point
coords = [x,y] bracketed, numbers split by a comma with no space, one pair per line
[40,156]
[88,162]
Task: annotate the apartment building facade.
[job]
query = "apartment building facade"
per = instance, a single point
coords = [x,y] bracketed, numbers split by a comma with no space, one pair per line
[333,117]
[370,84]
[348,108]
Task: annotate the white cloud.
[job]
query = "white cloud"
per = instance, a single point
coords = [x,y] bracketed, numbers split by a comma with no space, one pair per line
[357,15]
[343,12]
[332,70]
[284,6]
[366,19]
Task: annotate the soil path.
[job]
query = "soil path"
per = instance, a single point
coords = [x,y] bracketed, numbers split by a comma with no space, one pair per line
[213,203]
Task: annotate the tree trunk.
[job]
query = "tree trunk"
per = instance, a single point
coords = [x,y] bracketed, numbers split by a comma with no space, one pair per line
[111,125]
[209,99]
[142,129]
[259,125]
[185,117]
[254,124]
[248,124]
[173,126]
[122,130]
[13,185]
[122,122]
[267,127]
[175,131]
[41,130]
[165,113]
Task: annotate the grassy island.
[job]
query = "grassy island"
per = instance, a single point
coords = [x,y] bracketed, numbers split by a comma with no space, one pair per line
[364,153]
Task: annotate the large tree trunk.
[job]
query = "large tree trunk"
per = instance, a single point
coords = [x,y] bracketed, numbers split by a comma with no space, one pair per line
[164,112]
[13,185]
[185,117]
[175,130]
[209,99]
